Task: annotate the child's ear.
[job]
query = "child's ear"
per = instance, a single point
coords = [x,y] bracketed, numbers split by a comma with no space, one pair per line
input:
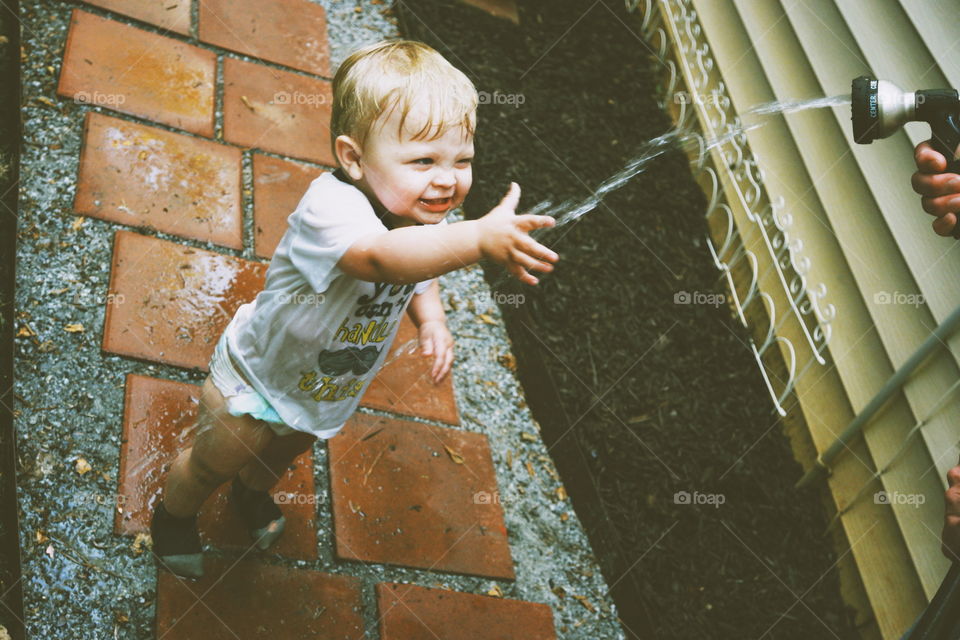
[348,153]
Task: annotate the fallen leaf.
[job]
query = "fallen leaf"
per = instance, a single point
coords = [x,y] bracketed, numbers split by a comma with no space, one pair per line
[73,328]
[586,603]
[560,591]
[82,466]
[46,101]
[78,222]
[564,516]
[508,360]
[247,103]
[529,437]
[59,291]
[25,332]
[495,591]
[41,537]
[636,419]
[142,542]
[561,493]
[530,469]
[49,550]
[487,319]
[456,457]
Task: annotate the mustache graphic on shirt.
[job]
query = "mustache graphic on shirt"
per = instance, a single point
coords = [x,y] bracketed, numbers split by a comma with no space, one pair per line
[352,359]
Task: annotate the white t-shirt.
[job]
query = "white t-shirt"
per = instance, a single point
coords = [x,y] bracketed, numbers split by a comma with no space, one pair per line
[313,339]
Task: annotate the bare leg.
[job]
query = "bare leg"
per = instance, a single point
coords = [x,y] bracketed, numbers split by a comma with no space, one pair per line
[223,445]
[263,471]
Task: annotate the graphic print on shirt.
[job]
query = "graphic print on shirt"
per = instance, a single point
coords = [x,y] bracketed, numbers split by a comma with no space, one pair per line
[372,321]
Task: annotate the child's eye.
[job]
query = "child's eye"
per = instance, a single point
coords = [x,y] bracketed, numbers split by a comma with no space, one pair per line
[465,160]
[423,161]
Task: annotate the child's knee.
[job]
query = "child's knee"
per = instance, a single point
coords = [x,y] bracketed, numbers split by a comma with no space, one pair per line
[205,468]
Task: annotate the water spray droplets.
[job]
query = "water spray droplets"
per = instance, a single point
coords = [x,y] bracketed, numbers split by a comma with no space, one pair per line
[683,139]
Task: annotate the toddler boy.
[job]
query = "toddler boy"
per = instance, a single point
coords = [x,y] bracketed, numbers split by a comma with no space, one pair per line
[365,244]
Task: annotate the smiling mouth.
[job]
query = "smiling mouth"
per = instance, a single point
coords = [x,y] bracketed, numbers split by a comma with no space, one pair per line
[436,205]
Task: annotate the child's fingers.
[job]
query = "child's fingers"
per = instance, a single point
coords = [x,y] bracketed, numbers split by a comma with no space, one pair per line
[528,221]
[540,252]
[521,274]
[512,199]
[530,262]
[928,160]
[447,364]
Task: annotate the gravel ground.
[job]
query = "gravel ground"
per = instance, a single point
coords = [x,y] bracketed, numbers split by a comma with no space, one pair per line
[652,406]
[78,575]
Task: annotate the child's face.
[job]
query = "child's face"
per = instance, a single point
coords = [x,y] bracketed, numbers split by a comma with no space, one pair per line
[416,180]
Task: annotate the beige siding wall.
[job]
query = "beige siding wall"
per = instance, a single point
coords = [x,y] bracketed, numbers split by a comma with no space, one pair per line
[854,249]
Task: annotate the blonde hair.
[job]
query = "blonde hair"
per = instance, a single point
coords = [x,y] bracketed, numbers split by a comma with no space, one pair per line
[394,73]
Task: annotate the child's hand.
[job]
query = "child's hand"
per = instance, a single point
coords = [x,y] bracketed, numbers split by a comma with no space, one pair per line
[435,340]
[504,239]
[940,191]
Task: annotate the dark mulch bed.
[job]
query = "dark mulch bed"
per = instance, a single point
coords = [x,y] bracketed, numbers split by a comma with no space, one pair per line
[658,397]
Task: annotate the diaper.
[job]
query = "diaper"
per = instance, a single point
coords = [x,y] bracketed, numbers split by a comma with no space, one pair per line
[241,397]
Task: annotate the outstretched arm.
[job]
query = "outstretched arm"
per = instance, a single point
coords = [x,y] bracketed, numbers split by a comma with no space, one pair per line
[416,253]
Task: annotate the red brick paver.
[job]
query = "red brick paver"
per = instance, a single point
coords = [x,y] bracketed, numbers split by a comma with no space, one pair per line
[278,186]
[289,32]
[159,421]
[253,600]
[410,611]
[137,72]
[400,497]
[279,111]
[167,14]
[170,302]
[404,385]
[175,183]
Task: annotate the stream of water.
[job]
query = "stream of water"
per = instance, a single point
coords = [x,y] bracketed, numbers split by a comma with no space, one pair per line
[686,140]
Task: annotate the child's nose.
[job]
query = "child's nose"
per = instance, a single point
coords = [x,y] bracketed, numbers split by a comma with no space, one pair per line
[444,178]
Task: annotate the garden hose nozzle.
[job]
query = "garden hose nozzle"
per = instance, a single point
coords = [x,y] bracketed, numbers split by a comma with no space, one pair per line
[880,108]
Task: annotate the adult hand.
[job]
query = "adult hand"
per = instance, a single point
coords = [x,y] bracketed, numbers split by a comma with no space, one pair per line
[940,192]
[950,540]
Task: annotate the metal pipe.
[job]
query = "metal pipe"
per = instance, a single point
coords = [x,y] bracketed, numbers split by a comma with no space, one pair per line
[939,335]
